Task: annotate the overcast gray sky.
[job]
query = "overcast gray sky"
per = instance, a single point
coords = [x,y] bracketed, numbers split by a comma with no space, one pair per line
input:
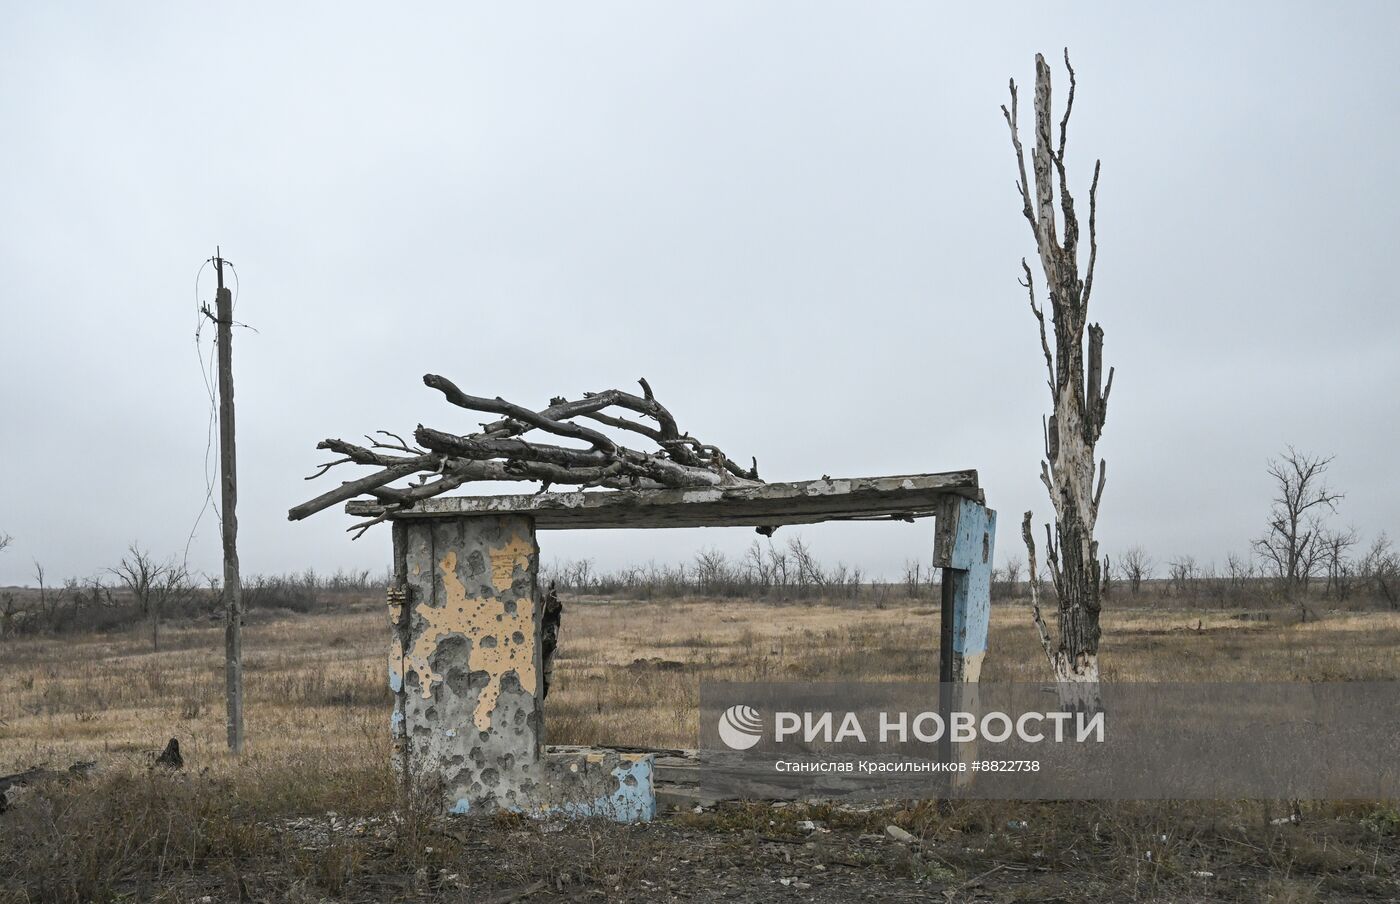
[797,220]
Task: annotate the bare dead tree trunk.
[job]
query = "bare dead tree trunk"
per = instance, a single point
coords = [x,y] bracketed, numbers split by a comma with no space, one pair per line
[1078,393]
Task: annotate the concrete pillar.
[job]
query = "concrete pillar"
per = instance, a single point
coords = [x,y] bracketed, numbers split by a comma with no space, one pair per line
[465,659]
[465,667]
[966,542]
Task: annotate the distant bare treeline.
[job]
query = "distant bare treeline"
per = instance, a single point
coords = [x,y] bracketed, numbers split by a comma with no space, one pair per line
[792,571]
[787,571]
[1338,576]
[769,570]
[141,589]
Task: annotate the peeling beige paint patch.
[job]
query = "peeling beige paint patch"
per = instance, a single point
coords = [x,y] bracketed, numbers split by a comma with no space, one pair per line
[501,640]
[505,559]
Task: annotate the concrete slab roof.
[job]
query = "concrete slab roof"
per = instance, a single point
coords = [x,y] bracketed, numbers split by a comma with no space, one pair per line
[899,497]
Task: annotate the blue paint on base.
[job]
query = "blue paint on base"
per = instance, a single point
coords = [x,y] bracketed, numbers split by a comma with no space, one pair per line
[633,801]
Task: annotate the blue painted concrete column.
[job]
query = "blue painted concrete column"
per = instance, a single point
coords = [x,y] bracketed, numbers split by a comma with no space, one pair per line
[968,541]
[965,545]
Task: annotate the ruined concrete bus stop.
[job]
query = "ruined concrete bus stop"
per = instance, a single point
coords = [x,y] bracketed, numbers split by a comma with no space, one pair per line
[468,617]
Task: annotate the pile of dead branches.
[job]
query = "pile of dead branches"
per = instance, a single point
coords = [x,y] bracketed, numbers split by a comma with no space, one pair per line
[444,461]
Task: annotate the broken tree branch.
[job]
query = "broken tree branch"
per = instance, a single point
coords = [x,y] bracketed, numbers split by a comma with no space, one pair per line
[1039,313]
[500,451]
[1045,643]
[499,405]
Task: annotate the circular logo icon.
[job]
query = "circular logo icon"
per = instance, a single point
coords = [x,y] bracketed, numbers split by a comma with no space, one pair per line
[740,727]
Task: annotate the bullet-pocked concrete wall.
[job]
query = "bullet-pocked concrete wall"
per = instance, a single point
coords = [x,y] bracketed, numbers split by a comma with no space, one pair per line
[465,659]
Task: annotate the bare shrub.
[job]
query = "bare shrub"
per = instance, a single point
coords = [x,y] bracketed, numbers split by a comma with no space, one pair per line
[1184,578]
[1336,546]
[712,572]
[915,581]
[1014,569]
[1136,566]
[809,572]
[9,603]
[157,587]
[12,614]
[1292,545]
[1239,574]
[1379,572]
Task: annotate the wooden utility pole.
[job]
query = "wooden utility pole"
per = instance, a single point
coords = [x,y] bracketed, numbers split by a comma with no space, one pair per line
[228,471]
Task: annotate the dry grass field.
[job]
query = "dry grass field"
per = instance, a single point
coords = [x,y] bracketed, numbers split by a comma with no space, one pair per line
[627,673]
